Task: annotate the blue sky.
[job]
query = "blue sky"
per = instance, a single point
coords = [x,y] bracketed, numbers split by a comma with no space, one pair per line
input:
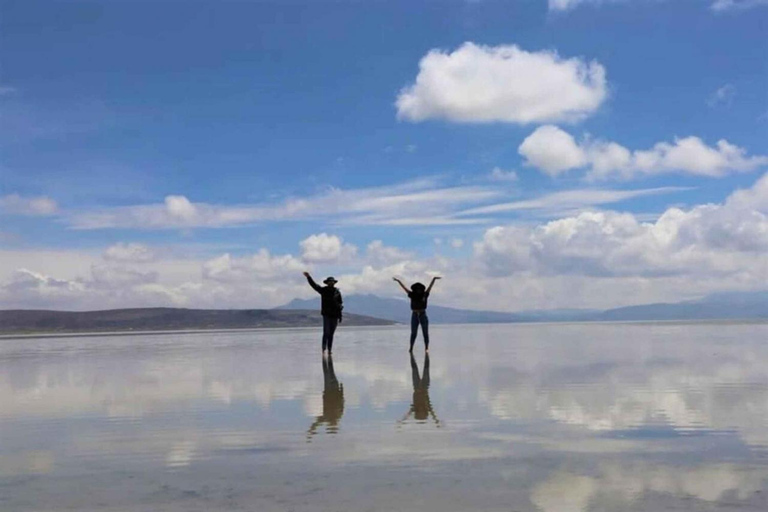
[190,131]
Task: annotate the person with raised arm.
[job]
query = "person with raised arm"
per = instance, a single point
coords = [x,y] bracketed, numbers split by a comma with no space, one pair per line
[418,295]
[331,306]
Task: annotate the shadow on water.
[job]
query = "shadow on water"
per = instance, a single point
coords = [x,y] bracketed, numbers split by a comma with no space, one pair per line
[333,402]
[421,407]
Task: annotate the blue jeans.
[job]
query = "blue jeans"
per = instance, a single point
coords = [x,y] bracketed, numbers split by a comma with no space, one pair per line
[419,317]
[329,327]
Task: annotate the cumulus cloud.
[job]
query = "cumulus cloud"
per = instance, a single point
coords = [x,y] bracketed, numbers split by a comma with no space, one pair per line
[378,254]
[419,202]
[584,259]
[482,84]
[705,240]
[34,206]
[261,265]
[131,252]
[554,151]
[325,248]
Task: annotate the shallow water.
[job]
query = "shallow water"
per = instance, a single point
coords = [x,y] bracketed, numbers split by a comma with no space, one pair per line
[552,418]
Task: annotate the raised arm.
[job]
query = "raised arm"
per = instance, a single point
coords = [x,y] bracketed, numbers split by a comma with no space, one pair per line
[432,283]
[312,283]
[406,290]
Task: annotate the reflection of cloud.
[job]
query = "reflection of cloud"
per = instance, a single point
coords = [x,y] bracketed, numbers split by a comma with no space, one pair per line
[566,492]
[32,462]
[692,390]
[181,454]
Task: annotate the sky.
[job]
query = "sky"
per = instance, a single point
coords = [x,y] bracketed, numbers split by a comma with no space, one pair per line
[537,154]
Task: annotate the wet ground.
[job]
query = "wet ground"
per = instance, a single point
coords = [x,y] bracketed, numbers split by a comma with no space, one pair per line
[551,418]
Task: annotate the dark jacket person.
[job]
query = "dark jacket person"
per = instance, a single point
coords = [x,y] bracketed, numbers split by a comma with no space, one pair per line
[331,306]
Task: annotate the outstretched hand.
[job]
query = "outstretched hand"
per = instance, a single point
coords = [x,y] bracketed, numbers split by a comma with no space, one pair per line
[306,274]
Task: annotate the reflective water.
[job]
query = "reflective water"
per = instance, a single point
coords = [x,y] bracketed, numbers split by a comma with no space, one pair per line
[552,418]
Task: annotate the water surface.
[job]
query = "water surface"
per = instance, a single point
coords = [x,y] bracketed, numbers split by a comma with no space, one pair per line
[551,418]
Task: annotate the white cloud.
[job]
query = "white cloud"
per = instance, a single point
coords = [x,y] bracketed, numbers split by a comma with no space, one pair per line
[35,206]
[498,174]
[563,203]
[554,151]
[707,240]
[482,84]
[420,202]
[585,259]
[457,243]
[716,5]
[260,266]
[567,5]
[325,248]
[378,254]
[736,5]
[722,96]
[132,252]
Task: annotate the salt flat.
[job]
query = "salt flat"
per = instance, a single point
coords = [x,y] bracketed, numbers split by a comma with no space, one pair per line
[552,418]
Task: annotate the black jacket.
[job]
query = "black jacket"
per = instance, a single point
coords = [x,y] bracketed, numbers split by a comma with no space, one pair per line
[331,303]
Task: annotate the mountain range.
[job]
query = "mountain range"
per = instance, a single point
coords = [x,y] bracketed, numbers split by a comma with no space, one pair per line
[162,319]
[721,306]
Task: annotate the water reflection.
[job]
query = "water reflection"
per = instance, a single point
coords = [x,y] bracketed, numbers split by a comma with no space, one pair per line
[333,401]
[421,406]
[549,418]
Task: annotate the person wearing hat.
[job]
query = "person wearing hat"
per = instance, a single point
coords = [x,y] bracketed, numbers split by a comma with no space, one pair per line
[418,295]
[331,306]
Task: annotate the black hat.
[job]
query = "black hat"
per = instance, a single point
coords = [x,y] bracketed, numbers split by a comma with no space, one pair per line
[330,279]
[418,286]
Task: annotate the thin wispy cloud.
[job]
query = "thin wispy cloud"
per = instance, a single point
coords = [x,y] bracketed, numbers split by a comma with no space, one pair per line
[722,96]
[420,202]
[715,5]
[736,5]
[32,206]
[569,200]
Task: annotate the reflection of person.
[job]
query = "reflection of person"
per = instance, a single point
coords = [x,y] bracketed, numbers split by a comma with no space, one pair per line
[418,295]
[331,306]
[421,408]
[333,401]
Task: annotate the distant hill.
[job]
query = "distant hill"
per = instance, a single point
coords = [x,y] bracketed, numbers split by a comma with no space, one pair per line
[155,319]
[398,310]
[721,306]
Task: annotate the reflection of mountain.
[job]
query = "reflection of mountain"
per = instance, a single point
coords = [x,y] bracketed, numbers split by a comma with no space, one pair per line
[156,319]
[723,306]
